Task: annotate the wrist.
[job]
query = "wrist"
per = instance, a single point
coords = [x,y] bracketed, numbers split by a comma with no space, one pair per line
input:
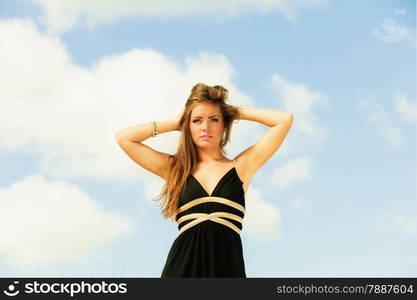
[163,126]
[242,112]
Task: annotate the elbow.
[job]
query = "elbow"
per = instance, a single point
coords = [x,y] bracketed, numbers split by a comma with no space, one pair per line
[290,117]
[117,136]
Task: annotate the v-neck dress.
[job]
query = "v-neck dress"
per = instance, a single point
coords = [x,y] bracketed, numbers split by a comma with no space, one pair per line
[208,243]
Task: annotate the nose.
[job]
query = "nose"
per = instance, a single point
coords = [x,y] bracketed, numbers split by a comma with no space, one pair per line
[205,125]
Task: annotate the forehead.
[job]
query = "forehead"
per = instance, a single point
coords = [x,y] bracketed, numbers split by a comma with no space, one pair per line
[205,110]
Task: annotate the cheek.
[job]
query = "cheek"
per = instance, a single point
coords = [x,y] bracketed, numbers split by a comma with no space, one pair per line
[220,129]
[193,131]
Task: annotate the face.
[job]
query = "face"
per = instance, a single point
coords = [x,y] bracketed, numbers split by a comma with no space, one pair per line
[206,119]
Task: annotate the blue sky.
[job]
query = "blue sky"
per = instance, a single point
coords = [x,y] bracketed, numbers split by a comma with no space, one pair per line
[338,199]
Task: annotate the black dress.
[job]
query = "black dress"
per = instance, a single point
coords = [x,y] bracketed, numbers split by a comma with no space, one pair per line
[209,243]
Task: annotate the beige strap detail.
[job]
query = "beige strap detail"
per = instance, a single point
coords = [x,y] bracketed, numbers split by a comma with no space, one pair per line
[201,217]
[209,216]
[211,199]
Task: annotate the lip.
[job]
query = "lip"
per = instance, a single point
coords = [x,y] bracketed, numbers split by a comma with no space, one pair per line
[206,137]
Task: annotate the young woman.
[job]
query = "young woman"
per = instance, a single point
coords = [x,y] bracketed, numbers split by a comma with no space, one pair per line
[205,191]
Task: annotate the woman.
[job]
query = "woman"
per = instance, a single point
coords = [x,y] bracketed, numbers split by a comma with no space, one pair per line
[204,190]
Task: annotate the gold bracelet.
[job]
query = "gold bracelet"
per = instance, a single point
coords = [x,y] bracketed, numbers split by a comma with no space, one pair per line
[154,130]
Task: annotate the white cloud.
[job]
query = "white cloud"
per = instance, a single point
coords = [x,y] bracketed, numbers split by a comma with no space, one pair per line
[31,64]
[294,170]
[53,222]
[298,203]
[298,99]
[262,220]
[381,119]
[61,16]
[406,224]
[405,108]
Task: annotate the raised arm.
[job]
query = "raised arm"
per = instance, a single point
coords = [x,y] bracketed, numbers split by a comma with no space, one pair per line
[252,158]
[130,138]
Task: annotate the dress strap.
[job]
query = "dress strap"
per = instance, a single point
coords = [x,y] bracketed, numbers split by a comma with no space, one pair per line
[237,171]
[234,162]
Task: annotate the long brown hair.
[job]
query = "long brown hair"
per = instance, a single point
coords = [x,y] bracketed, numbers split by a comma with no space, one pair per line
[182,163]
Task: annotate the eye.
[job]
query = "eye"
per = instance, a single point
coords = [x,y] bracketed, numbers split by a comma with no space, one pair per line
[216,119]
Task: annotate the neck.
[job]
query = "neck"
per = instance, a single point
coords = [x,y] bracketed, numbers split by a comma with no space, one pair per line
[211,156]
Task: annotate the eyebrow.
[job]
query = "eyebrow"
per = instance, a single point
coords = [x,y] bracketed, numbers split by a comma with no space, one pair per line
[209,117]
